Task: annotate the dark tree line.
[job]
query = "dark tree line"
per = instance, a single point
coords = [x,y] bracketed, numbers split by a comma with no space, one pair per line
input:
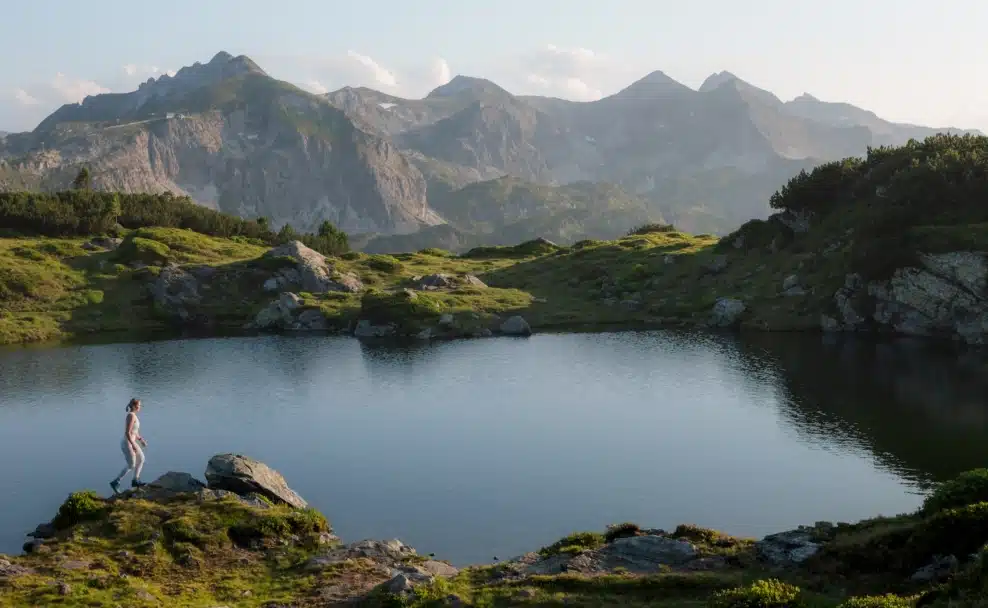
[84,212]
[941,180]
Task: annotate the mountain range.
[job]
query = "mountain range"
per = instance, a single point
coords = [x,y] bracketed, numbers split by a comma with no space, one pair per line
[469,163]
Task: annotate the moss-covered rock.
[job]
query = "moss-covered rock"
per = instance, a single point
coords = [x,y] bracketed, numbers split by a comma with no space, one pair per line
[137,249]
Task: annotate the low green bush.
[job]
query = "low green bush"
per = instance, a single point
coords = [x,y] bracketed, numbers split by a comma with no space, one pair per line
[436,252]
[877,601]
[968,488]
[137,249]
[770,593]
[652,228]
[574,543]
[403,307]
[385,263]
[623,530]
[958,531]
[79,507]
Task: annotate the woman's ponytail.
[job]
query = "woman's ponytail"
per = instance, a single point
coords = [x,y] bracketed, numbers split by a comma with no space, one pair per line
[133,403]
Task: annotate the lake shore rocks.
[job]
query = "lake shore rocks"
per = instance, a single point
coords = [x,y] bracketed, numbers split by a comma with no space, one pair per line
[244,475]
[194,525]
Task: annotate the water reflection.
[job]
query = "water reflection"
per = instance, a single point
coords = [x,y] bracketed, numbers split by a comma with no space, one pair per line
[483,447]
[920,409]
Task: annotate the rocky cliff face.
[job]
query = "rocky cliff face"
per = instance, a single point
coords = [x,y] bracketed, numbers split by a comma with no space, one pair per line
[945,296]
[237,140]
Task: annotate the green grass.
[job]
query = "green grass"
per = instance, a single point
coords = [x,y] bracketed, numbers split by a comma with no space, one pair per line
[656,276]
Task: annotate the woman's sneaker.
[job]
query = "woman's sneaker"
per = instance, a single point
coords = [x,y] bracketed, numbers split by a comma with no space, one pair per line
[115,484]
[137,484]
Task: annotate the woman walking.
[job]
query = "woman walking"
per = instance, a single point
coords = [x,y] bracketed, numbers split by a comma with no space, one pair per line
[132,451]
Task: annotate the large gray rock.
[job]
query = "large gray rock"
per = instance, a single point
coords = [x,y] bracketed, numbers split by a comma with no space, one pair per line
[173,481]
[644,554]
[726,312]
[10,570]
[849,318]
[175,291]
[390,553]
[315,275]
[939,568]
[636,554]
[516,326]
[366,329]
[787,548]
[244,475]
[278,314]
[946,296]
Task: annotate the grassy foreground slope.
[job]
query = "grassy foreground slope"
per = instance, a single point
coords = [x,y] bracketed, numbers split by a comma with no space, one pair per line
[198,548]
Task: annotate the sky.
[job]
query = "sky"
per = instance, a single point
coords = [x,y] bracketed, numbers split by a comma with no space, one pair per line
[907,60]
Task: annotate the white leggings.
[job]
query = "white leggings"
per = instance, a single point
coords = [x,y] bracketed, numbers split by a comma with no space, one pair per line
[135,459]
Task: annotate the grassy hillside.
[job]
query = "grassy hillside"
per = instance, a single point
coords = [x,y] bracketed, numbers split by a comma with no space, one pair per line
[509,210]
[870,220]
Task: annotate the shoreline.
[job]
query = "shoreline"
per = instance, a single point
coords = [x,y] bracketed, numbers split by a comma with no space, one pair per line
[286,553]
[162,335]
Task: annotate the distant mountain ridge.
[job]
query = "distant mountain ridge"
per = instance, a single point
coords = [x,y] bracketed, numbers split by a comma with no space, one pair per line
[232,137]
[708,158]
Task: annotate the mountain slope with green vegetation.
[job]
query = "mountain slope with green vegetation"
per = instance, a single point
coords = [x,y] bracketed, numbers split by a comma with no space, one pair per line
[894,242]
[509,210]
[232,138]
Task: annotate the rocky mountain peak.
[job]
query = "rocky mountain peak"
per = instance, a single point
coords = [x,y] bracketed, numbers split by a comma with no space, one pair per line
[463,84]
[806,98]
[716,79]
[655,85]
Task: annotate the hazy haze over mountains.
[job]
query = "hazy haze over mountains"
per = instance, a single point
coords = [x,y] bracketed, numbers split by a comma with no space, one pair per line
[234,138]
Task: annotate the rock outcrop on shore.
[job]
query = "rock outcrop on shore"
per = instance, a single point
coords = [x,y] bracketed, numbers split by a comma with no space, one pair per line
[245,536]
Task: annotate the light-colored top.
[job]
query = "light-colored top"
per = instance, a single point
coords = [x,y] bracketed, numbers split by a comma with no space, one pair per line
[134,430]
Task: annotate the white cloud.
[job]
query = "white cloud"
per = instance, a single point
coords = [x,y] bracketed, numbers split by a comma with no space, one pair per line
[440,71]
[571,73]
[25,98]
[314,86]
[130,69]
[73,90]
[382,76]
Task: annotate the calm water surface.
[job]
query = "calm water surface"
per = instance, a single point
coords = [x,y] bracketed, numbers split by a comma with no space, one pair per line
[473,449]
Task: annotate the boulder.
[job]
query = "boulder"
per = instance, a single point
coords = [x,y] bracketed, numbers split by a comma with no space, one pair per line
[43,531]
[637,554]
[787,548]
[516,326]
[243,475]
[939,568]
[947,295]
[283,279]
[365,329]
[726,312]
[279,313]
[437,281]
[311,319]
[173,481]
[473,281]
[175,291]
[644,554]
[391,554]
[790,282]
[10,570]
[314,274]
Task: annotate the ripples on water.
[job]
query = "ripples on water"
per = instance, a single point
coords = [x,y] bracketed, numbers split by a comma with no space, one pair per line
[493,447]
